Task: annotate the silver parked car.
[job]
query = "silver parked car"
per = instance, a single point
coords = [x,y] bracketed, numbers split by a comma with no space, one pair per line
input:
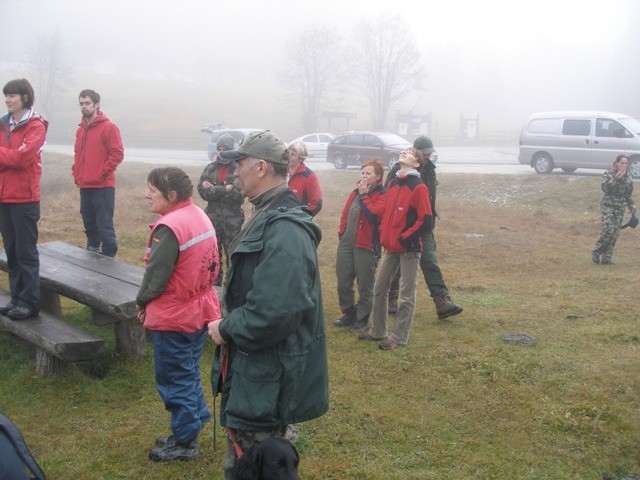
[316,143]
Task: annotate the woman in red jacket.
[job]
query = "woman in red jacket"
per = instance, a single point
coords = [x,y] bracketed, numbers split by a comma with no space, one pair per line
[407,215]
[22,136]
[302,181]
[359,246]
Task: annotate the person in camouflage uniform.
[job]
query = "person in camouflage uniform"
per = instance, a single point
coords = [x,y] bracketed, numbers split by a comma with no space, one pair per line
[224,200]
[618,189]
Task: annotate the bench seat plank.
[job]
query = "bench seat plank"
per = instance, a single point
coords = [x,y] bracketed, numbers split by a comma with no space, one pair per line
[57,337]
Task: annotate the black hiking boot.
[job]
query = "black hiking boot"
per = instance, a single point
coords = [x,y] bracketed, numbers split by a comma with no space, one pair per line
[349,317]
[174,450]
[361,325]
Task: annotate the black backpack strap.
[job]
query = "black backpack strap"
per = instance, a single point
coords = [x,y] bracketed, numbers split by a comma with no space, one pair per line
[15,437]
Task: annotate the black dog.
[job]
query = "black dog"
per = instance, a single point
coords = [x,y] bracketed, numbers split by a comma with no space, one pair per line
[270,459]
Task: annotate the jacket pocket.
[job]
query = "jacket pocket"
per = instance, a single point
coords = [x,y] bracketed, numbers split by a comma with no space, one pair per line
[255,388]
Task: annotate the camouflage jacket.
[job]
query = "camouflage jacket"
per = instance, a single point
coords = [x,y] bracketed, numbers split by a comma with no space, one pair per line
[217,196]
[617,192]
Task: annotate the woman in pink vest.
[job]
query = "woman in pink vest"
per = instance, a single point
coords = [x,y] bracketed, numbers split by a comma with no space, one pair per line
[176,302]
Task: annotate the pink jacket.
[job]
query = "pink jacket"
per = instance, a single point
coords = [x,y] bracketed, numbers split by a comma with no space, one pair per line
[189,301]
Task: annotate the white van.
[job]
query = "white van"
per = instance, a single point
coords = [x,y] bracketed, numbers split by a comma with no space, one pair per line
[571,140]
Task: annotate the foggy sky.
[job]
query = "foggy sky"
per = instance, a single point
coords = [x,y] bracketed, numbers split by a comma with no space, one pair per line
[501,60]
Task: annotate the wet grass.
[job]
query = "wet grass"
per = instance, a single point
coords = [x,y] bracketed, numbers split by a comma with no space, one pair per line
[456,403]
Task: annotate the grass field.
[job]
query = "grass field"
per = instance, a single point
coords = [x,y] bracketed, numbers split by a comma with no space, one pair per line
[456,403]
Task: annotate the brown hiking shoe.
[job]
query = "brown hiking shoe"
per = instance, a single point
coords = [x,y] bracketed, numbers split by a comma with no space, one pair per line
[369,337]
[389,344]
[445,307]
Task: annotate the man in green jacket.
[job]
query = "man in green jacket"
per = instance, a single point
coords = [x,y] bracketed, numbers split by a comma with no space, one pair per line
[271,361]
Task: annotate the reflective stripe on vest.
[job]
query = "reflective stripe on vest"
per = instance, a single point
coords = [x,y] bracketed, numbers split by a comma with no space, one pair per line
[196,240]
[190,243]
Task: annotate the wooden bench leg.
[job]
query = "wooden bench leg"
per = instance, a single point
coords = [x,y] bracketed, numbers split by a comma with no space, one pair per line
[130,337]
[46,364]
[101,318]
[50,302]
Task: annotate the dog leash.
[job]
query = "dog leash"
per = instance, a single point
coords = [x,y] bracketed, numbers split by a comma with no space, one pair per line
[224,362]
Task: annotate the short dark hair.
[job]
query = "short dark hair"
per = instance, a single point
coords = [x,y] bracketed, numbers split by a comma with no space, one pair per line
[92,94]
[171,179]
[22,87]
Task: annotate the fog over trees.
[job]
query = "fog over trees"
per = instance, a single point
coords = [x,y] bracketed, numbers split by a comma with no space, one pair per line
[313,71]
[48,70]
[385,64]
[164,65]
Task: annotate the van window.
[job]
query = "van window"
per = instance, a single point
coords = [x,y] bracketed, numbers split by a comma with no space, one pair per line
[576,127]
[545,125]
[605,127]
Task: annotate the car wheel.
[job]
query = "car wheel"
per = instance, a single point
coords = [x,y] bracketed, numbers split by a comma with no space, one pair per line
[339,161]
[634,167]
[542,163]
[391,161]
[569,169]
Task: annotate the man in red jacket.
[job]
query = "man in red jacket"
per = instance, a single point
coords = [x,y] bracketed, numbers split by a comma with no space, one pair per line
[98,151]
[407,215]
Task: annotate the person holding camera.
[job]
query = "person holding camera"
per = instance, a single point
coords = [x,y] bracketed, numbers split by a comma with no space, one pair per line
[618,190]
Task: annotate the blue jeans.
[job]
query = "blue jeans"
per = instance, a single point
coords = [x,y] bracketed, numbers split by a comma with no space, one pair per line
[96,207]
[177,364]
[19,229]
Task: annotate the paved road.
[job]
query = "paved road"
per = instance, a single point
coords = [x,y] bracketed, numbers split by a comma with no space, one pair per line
[479,160]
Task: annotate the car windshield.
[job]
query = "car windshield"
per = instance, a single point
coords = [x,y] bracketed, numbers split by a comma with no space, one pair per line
[391,139]
[631,123]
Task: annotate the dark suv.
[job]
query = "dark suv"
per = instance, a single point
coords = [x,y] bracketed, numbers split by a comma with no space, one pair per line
[353,148]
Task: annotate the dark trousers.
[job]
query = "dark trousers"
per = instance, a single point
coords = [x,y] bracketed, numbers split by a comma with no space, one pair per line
[177,364]
[429,266]
[96,207]
[19,229]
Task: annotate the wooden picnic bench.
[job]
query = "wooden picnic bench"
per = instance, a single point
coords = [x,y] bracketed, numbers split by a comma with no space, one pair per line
[107,285]
[56,341]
